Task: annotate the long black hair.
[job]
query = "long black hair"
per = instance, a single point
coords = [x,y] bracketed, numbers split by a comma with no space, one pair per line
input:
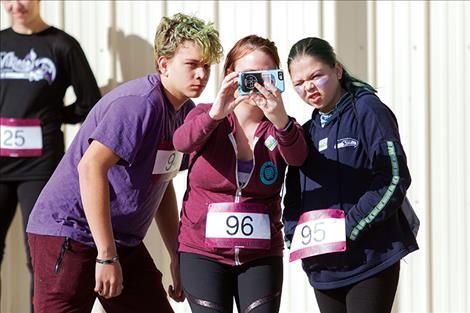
[321,50]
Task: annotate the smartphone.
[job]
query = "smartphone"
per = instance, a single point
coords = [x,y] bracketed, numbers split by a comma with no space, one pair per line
[247,80]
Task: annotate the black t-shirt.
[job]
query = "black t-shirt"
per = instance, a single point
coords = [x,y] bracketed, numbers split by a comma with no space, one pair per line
[36,70]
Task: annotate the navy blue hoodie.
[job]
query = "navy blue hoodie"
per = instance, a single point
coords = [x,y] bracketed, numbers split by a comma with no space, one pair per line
[356,163]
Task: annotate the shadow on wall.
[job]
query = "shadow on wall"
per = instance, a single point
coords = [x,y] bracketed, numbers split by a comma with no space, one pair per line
[132,58]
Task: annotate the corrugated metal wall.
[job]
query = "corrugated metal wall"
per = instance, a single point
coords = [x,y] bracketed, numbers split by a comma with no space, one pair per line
[417,53]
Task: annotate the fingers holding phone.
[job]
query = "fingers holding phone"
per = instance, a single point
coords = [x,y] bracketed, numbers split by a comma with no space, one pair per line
[269,100]
[226,102]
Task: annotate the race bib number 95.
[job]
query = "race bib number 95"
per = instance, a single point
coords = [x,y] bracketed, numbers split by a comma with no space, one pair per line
[319,232]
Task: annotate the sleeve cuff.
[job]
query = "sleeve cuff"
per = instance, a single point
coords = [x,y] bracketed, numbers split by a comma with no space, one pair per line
[287,128]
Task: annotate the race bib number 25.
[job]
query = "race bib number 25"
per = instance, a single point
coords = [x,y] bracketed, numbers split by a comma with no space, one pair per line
[319,232]
[20,137]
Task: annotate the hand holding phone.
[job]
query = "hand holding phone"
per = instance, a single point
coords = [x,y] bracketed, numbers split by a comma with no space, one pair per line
[247,80]
[225,102]
[267,95]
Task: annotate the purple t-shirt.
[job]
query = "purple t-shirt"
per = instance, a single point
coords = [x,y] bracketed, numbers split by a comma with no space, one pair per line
[137,122]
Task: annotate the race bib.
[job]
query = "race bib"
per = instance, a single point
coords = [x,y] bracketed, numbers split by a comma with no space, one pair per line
[20,137]
[244,225]
[167,162]
[319,232]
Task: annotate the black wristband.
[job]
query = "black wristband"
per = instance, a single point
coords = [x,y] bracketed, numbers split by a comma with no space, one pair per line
[114,259]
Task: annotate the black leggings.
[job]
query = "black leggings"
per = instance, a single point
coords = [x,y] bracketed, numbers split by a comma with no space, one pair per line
[26,193]
[372,295]
[211,286]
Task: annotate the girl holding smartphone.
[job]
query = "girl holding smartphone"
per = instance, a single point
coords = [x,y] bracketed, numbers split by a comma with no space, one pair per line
[230,234]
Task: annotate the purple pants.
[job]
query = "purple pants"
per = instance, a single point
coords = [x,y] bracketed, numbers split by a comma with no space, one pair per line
[67,286]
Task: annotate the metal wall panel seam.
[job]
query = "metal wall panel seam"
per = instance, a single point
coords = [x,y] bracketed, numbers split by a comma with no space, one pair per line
[466,172]
[62,14]
[428,149]
[320,18]
[440,270]
[165,7]
[393,97]
[217,67]
[267,8]
[372,43]
[328,28]
[114,57]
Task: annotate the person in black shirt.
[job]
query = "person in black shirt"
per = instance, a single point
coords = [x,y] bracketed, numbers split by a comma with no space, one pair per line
[38,63]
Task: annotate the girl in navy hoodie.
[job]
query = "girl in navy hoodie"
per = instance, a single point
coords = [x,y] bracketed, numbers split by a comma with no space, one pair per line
[230,235]
[356,165]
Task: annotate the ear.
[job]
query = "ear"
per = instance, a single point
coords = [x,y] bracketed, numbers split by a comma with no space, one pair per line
[163,63]
[339,70]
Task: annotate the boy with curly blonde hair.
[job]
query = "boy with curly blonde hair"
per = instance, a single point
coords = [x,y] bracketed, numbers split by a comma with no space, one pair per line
[86,229]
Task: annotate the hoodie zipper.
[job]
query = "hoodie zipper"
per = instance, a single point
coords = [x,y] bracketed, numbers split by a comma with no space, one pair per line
[238,192]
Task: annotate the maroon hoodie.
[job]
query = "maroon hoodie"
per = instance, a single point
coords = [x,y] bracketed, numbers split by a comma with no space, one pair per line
[212,178]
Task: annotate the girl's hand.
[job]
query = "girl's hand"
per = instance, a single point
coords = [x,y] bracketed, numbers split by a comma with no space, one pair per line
[225,102]
[270,102]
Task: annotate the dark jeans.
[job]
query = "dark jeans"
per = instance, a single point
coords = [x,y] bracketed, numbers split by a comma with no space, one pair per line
[71,288]
[372,295]
[211,286]
[26,193]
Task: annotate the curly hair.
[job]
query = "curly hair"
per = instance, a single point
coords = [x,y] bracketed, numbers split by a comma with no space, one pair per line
[175,30]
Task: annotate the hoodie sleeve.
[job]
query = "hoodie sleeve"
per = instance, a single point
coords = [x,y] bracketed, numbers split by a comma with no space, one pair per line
[387,161]
[292,144]
[293,196]
[196,130]
[292,201]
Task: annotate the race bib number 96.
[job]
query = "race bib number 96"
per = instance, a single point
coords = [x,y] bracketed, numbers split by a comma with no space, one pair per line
[319,232]
[245,225]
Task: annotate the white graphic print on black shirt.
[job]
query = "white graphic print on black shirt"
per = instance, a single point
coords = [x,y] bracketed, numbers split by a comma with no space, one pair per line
[31,67]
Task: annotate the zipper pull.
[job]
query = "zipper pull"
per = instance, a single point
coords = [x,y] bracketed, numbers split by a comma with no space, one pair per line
[238,195]
[237,256]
